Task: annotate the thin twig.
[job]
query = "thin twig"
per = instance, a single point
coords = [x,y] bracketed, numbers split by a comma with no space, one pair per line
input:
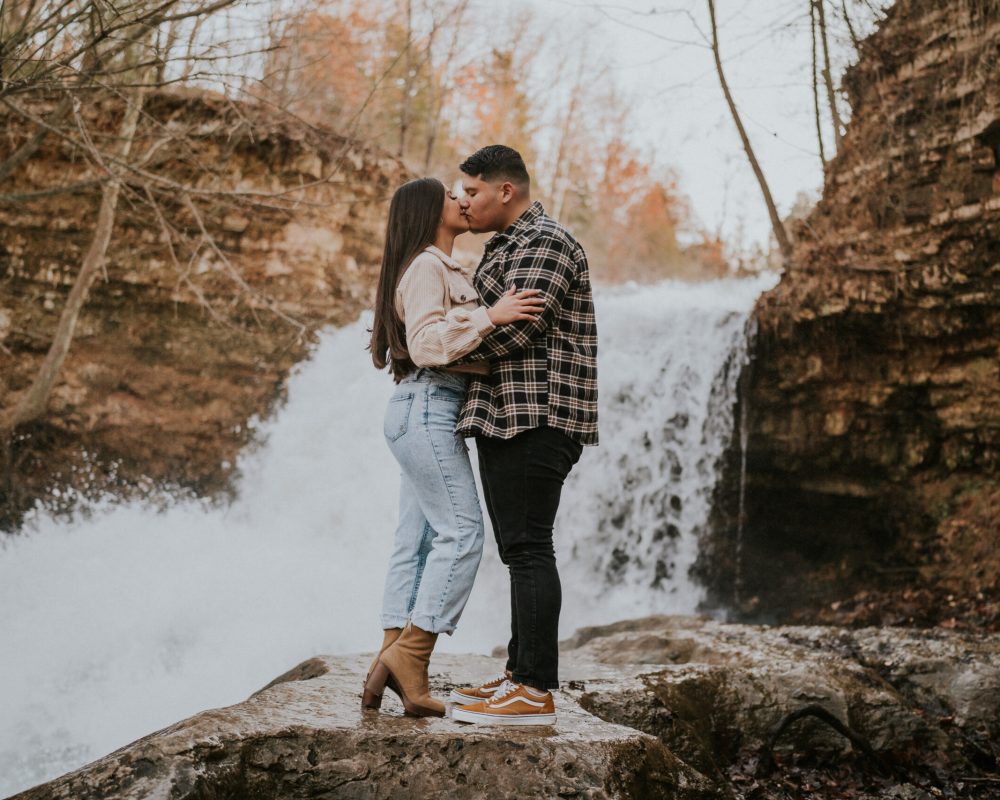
[235,275]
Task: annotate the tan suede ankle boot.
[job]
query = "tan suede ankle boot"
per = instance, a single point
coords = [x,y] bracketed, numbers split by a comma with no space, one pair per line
[389,635]
[404,663]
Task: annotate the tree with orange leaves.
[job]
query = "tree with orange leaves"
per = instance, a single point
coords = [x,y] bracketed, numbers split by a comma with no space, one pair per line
[632,229]
[320,66]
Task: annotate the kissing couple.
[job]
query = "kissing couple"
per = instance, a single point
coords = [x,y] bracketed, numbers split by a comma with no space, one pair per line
[507,354]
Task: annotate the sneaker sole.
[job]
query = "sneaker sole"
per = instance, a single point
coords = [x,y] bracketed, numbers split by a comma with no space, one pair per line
[464,699]
[478,718]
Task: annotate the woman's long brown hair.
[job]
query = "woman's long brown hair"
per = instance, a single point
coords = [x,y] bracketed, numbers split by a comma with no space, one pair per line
[414,215]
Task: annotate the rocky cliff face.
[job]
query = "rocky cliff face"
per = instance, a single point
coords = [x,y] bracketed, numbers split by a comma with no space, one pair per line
[872,406]
[180,345]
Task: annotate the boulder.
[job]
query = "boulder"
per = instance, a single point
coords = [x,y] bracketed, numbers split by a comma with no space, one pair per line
[305,736]
[713,691]
[661,707]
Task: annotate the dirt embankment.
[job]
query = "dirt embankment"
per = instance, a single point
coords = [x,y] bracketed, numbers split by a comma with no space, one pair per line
[177,348]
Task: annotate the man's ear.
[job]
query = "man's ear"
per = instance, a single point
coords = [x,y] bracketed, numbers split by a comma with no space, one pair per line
[506,192]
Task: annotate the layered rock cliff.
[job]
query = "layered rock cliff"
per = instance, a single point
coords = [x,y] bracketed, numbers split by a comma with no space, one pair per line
[871,409]
[180,345]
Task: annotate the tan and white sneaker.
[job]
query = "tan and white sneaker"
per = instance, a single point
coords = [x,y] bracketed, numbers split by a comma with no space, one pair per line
[476,694]
[511,704]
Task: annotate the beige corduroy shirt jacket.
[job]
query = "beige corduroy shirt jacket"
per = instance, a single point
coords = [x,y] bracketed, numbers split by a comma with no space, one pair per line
[441,311]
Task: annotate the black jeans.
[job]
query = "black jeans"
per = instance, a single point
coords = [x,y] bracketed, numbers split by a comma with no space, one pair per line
[522,481]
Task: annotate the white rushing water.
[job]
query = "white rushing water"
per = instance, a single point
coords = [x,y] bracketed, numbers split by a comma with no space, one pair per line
[129,619]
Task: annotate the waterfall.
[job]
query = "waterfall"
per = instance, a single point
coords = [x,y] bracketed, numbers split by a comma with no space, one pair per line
[670,362]
[128,618]
[744,439]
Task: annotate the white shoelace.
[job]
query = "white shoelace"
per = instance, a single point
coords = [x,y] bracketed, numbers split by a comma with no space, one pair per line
[497,679]
[506,688]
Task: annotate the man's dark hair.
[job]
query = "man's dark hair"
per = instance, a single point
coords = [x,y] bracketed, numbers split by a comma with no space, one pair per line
[497,161]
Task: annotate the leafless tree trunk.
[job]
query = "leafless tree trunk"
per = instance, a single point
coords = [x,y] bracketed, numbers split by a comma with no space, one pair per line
[815,85]
[558,189]
[559,184]
[165,42]
[189,60]
[439,99]
[828,75]
[404,112]
[784,244]
[850,25]
[34,402]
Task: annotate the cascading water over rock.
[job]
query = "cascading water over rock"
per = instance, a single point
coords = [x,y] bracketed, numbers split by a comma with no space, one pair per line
[636,506]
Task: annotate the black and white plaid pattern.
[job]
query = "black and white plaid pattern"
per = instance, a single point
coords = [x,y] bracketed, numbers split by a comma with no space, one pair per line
[545,371]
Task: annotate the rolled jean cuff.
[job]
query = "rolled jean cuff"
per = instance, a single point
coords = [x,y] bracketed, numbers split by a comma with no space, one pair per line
[393,621]
[542,686]
[432,624]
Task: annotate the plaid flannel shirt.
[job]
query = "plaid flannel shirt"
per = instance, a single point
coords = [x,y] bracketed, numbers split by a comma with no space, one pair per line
[544,371]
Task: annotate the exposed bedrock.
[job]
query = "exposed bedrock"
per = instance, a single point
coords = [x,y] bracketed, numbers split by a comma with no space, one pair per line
[661,707]
[871,408]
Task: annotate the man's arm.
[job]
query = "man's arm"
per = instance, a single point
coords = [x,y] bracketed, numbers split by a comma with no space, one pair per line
[546,264]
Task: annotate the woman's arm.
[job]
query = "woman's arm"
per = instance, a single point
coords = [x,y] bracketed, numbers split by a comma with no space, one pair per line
[435,337]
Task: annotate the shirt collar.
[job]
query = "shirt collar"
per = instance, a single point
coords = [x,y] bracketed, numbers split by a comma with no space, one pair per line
[449,262]
[520,228]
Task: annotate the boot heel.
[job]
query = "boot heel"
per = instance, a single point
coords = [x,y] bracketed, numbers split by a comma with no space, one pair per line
[369,701]
[375,687]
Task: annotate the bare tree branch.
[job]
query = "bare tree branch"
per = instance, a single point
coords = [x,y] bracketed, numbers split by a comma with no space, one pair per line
[780,234]
[831,95]
[850,26]
[815,84]
[34,402]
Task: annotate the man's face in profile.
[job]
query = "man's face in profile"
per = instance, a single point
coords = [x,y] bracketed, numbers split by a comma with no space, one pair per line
[482,203]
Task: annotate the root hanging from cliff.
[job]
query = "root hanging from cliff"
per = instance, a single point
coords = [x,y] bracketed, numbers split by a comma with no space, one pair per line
[767,764]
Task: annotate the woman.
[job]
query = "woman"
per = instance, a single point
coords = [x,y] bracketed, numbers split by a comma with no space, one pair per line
[427,316]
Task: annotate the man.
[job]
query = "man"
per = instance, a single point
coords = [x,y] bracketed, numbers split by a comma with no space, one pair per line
[531,418]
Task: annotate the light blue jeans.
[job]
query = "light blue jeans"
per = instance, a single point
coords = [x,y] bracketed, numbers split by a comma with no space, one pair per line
[439,539]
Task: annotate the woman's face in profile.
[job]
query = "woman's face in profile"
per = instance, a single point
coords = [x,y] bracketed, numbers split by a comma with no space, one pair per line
[451,215]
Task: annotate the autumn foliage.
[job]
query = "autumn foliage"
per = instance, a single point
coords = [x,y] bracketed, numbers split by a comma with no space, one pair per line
[431,83]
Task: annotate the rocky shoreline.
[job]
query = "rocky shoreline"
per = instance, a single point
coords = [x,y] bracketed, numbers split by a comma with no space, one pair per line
[674,707]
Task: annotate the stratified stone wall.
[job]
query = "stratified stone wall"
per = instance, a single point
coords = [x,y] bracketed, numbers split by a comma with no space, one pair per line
[175,352]
[873,402]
